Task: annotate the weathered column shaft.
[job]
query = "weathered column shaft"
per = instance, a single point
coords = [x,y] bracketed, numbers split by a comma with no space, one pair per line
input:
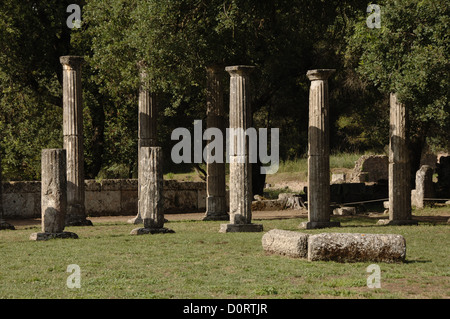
[53,190]
[151,187]
[147,115]
[424,186]
[318,151]
[73,139]
[240,168]
[75,178]
[240,190]
[147,121]
[53,195]
[399,169]
[216,206]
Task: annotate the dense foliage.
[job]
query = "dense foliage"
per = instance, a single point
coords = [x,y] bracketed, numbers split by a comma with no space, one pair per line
[176,40]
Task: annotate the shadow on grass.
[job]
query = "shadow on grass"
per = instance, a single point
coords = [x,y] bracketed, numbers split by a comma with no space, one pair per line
[417,261]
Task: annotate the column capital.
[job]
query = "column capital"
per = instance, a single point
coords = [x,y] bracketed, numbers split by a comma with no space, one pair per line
[319,74]
[72,61]
[241,70]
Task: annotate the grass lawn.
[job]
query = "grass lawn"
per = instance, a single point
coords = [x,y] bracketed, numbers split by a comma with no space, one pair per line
[199,262]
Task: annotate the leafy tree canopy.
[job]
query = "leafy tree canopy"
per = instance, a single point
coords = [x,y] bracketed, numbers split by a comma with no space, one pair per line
[409,55]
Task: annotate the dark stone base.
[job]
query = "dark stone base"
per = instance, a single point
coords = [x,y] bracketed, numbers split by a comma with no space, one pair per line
[240,228]
[5,225]
[387,222]
[145,231]
[315,225]
[79,222]
[47,236]
[216,216]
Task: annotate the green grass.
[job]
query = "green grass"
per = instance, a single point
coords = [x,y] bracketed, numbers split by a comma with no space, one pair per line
[199,262]
[338,160]
[296,169]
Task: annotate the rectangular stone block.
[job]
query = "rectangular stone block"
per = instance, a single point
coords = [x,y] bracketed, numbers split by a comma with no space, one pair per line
[354,247]
[284,242]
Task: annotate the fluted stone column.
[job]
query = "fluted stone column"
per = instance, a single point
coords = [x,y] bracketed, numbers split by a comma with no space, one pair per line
[150,183]
[399,167]
[73,140]
[318,152]
[53,195]
[3,223]
[216,205]
[147,117]
[240,166]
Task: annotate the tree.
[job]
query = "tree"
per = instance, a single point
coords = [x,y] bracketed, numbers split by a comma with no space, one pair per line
[409,55]
[176,40]
[33,36]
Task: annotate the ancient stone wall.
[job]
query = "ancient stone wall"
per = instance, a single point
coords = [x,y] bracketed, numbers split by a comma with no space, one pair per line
[109,197]
[370,168]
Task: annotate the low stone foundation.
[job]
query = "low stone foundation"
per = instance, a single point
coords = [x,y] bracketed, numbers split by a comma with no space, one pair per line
[47,236]
[109,197]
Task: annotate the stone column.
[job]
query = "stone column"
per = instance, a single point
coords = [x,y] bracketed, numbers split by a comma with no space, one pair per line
[216,205]
[150,183]
[240,166]
[399,167]
[146,123]
[3,223]
[147,114]
[53,196]
[424,186]
[318,152]
[73,140]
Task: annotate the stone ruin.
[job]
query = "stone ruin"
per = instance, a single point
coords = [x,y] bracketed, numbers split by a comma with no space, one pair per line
[424,187]
[151,205]
[240,166]
[284,201]
[340,247]
[58,198]
[370,168]
[53,196]
[319,152]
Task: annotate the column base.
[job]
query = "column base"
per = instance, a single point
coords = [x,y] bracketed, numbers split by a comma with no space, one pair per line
[216,216]
[315,225]
[240,228]
[145,231]
[47,236]
[5,225]
[135,220]
[388,222]
[79,222]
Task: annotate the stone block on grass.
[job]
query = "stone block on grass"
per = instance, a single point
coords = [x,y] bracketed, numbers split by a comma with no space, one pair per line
[354,247]
[285,242]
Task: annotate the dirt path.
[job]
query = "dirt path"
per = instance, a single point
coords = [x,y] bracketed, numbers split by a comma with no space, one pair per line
[282,214]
